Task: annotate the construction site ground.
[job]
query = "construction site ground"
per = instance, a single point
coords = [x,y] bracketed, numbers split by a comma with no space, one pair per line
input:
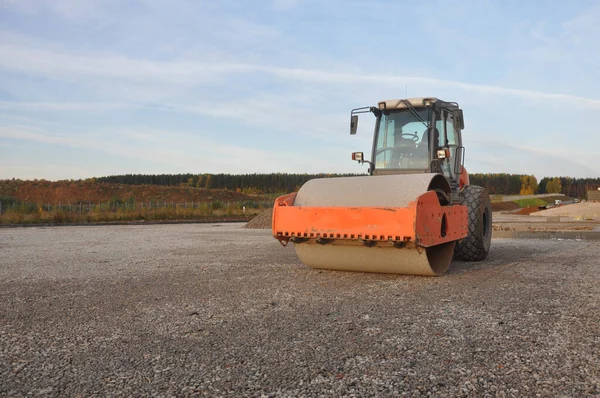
[573,221]
[219,310]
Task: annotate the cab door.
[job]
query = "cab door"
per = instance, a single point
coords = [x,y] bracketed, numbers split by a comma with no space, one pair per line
[448,139]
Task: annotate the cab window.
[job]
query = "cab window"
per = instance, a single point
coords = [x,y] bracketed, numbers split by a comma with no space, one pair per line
[446,125]
[402,141]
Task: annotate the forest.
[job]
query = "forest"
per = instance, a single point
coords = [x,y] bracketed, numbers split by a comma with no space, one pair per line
[246,183]
[495,183]
[149,197]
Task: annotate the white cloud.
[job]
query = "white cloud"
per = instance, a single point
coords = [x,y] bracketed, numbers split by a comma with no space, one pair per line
[62,106]
[202,63]
[73,67]
[497,156]
[277,115]
[82,68]
[163,150]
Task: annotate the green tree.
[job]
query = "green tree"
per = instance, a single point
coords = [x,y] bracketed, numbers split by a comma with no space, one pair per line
[542,186]
[554,185]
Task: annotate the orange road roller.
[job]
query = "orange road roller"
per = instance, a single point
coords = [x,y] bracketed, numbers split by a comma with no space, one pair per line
[412,214]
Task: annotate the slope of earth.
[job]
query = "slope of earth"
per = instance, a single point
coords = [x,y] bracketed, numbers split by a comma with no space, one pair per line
[527,205]
[528,210]
[86,191]
[504,206]
[588,210]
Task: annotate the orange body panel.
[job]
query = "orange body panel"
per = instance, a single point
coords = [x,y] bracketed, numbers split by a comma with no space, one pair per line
[424,222]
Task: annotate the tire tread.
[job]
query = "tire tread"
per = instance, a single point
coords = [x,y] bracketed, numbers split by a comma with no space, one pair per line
[473,247]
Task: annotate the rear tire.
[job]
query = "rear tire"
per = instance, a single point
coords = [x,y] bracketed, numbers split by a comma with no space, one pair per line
[476,245]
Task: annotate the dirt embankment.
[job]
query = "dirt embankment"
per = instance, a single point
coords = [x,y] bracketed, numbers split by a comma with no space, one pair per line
[528,210]
[588,210]
[504,206]
[514,206]
[87,191]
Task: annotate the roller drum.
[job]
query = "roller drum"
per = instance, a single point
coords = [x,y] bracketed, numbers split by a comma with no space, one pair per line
[373,191]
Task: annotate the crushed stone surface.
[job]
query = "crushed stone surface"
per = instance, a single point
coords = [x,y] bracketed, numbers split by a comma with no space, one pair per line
[208,310]
[538,227]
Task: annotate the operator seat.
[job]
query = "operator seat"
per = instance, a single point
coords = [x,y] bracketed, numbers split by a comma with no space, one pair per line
[403,147]
[421,153]
[423,145]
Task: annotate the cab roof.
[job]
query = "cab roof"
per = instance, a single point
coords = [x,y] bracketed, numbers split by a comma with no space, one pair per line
[400,103]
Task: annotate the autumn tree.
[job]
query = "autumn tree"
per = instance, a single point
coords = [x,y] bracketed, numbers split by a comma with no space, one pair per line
[529,185]
[554,186]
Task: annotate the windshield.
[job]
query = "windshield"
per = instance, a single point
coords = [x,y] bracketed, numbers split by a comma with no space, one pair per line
[401,140]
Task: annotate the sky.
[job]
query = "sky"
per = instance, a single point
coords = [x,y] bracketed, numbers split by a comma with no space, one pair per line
[105,87]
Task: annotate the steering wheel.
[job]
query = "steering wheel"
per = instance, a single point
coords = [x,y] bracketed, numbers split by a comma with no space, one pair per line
[389,148]
[410,136]
[381,150]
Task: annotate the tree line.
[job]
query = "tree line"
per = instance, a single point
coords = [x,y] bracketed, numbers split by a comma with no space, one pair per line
[247,183]
[522,184]
[494,183]
[574,187]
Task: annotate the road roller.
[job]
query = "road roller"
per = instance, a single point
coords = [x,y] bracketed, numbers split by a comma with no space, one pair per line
[412,213]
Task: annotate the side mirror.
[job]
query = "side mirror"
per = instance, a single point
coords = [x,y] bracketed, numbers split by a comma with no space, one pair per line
[457,118]
[459,160]
[353,124]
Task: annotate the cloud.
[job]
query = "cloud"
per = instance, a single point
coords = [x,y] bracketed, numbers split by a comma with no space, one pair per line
[276,115]
[72,67]
[163,150]
[494,155]
[337,77]
[280,80]
[83,68]
[62,106]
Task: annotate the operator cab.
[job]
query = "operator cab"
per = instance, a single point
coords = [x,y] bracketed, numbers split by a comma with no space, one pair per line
[416,135]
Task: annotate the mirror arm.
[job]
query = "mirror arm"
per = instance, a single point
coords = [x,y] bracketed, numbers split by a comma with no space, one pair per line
[371,164]
[354,116]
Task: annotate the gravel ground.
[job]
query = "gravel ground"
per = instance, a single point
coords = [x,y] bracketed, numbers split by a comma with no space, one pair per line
[179,310]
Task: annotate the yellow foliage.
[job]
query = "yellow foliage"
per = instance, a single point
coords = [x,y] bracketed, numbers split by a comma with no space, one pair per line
[526,191]
[529,185]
